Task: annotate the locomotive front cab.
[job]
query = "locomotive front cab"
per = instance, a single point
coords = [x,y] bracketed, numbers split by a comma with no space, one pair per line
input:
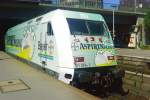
[91,43]
[94,54]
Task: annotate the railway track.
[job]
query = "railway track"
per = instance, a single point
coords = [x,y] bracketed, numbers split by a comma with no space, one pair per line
[134,64]
[138,85]
[137,78]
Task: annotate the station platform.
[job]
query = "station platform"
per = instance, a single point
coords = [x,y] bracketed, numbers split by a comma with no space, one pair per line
[137,53]
[135,60]
[20,81]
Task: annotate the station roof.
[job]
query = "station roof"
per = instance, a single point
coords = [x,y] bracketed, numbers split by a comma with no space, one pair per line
[28,10]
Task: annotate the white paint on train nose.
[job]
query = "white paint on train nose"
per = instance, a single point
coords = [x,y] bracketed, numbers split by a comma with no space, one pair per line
[102,57]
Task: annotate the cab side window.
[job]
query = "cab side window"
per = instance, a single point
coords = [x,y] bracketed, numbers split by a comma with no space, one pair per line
[49,29]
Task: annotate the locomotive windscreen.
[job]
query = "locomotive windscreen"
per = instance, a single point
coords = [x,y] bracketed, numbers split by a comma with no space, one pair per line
[86,27]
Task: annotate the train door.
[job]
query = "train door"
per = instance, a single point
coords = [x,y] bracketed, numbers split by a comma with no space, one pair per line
[47,45]
[49,39]
[43,46]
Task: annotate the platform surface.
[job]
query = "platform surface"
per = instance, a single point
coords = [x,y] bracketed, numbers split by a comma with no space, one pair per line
[41,86]
[138,53]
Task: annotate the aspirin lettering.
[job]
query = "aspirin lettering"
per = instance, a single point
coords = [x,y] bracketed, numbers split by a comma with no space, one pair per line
[88,46]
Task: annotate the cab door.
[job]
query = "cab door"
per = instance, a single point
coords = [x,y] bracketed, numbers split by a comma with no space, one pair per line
[50,40]
[47,45]
[43,46]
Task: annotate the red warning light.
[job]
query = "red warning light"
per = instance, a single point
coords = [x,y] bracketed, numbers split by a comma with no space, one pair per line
[100,40]
[92,38]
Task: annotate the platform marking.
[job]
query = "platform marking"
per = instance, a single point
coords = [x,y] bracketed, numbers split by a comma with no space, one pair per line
[13,86]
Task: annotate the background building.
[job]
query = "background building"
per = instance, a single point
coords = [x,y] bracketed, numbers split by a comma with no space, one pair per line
[138,3]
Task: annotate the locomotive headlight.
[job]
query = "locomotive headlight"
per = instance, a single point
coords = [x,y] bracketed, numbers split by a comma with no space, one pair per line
[111,57]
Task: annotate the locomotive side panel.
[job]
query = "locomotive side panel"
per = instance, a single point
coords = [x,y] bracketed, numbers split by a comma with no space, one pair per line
[45,42]
[31,41]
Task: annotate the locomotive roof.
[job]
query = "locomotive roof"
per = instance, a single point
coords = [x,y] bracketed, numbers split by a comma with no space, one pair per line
[72,14]
[66,13]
